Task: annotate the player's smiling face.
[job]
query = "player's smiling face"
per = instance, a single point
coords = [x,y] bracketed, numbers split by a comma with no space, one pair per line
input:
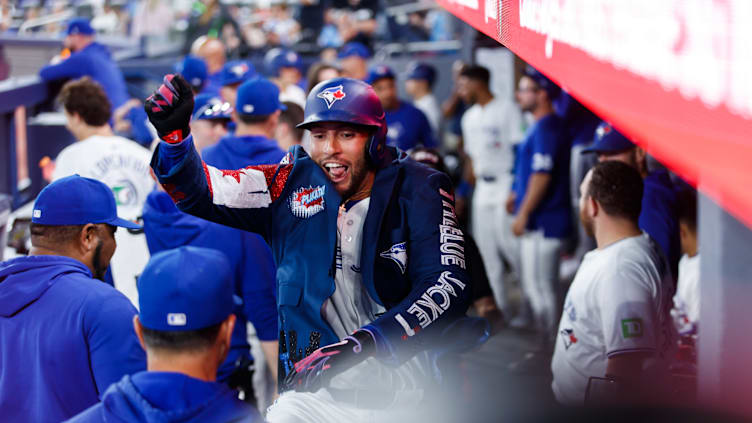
[340,150]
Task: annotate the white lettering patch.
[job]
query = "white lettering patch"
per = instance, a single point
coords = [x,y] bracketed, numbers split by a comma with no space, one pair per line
[451,239]
[240,189]
[305,202]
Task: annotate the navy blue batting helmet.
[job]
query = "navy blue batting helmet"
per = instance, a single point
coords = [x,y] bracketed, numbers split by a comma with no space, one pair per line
[352,101]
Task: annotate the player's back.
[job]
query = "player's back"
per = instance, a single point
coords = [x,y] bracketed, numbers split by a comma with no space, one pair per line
[54,318]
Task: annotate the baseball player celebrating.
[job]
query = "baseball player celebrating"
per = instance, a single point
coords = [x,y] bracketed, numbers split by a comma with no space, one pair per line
[370,259]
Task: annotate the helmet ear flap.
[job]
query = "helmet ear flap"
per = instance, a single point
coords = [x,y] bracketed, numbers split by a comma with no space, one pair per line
[377,147]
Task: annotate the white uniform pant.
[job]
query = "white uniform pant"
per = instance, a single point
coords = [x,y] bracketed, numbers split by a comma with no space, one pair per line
[539,258]
[492,230]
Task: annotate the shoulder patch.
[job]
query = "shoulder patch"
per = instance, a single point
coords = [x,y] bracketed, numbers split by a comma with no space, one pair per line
[398,254]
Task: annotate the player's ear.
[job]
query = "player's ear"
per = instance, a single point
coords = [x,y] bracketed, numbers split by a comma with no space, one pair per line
[139,331]
[593,207]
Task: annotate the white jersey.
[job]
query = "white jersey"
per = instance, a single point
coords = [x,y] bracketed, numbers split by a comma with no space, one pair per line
[351,307]
[490,133]
[686,310]
[619,302]
[430,107]
[293,94]
[123,165]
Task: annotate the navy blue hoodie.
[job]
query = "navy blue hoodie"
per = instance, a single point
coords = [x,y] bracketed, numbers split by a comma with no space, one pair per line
[236,152]
[166,228]
[65,338]
[162,397]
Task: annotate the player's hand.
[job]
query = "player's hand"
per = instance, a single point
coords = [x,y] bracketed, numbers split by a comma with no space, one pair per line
[315,371]
[170,109]
[519,224]
[510,203]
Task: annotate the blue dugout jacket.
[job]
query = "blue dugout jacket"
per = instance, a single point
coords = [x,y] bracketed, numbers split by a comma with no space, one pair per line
[413,260]
[168,398]
[658,217]
[65,338]
[166,228]
[408,128]
[235,152]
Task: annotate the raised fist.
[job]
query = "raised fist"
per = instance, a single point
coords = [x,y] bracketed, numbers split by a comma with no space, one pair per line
[315,371]
[170,109]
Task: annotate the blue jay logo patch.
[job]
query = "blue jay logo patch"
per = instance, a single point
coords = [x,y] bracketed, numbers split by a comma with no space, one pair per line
[398,254]
[332,94]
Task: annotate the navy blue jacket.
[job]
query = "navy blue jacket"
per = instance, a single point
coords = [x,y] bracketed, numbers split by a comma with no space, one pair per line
[658,217]
[235,152]
[412,253]
[408,128]
[166,228]
[65,338]
[168,398]
[95,61]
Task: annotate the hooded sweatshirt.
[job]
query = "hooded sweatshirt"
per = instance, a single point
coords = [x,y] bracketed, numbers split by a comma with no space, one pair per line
[166,228]
[236,152]
[65,338]
[162,397]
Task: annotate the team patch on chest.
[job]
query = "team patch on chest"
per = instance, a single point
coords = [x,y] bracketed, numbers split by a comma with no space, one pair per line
[398,254]
[305,202]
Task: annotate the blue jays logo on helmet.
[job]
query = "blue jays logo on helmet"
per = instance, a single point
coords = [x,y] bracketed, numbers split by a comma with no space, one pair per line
[332,95]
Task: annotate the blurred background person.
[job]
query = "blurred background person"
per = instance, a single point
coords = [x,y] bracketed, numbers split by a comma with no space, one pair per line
[287,133]
[419,86]
[211,117]
[353,58]
[321,71]
[235,73]
[286,68]
[408,126]
[195,71]
[213,52]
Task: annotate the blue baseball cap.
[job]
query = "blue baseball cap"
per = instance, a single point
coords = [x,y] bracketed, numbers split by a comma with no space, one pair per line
[258,97]
[424,72]
[379,72]
[187,288]
[608,140]
[210,107]
[543,82]
[286,59]
[194,71]
[75,200]
[354,48]
[236,71]
[79,26]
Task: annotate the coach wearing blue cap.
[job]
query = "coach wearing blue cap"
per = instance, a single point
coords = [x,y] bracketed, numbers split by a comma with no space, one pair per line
[185,324]
[66,336]
[194,71]
[408,126]
[659,203]
[419,86]
[256,116]
[353,57]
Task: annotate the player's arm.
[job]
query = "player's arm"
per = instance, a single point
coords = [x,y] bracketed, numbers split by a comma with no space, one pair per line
[114,350]
[440,287]
[238,198]
[73,67]
[542,165]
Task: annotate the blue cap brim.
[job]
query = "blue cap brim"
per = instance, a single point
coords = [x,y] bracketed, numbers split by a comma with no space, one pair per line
[282,107]
[124,223]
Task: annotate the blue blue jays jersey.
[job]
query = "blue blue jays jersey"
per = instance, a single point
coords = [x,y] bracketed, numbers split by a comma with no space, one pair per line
[412,256]
[408,128]
[545,149]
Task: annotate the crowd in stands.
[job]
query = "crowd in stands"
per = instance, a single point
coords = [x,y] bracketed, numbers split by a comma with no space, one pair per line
[539,182]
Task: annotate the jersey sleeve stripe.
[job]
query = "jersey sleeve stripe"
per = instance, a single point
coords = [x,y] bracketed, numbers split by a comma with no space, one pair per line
[629,350]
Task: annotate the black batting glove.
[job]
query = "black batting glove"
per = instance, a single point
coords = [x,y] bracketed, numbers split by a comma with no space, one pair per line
[170,109]
[316,371]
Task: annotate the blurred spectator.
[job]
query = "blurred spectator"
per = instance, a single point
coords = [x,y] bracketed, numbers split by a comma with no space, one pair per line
[233,74]
[329,36]
[185,325]
[357,20]
[252,271]
[354,60]
[109,22]
[408,126]
[658,217]
[615,329]
[540,199]
[281,29]
[213,52]
[686,310]
[194,71]
[118,162]
[287,133]
[212,19]
[491,128]
[286,66]
[419,86]
[209,121]
[152,18]
[72,334]
[321,71]
[4,66]
[310,14]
